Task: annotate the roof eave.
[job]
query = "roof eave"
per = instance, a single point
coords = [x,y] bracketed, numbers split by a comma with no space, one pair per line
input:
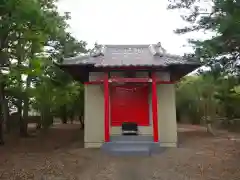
[180,70]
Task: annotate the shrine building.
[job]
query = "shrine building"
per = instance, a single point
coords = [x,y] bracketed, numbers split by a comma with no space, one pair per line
[129,95]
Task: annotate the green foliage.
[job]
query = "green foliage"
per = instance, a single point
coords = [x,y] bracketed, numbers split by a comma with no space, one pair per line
[219,16]
[213,93]
[32,35]
[204,96]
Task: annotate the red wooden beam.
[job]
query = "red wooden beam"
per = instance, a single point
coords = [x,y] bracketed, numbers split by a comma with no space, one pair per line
[154,107]
[106,108]
[130,80]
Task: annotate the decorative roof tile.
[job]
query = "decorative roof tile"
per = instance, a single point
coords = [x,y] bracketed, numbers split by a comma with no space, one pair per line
[127,55]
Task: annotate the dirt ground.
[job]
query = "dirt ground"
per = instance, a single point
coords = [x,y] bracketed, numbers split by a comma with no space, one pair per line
[58,155]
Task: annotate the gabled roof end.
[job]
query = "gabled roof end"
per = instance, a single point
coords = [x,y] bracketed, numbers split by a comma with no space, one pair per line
[157,49]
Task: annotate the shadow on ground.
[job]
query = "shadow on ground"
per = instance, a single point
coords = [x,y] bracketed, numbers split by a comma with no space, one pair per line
[59,136]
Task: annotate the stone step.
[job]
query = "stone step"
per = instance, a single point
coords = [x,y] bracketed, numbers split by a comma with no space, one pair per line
[130,142]
[133,151]
[127,144]
[131,138]
[131,147]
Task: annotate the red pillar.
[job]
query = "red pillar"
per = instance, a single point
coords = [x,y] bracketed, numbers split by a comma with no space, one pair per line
[154,108]
[106,108]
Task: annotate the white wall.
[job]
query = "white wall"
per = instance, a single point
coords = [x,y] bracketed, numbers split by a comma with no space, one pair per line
[167,123]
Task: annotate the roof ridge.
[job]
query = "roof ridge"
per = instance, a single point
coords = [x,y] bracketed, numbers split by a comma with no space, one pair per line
[126,45]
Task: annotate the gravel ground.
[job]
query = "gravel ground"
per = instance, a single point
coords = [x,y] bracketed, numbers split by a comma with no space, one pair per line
[58,155]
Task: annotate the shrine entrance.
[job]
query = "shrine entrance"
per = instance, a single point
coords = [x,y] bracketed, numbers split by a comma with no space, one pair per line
[129,103]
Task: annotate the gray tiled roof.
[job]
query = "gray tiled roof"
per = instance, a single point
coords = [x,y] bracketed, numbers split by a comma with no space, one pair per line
[126,55]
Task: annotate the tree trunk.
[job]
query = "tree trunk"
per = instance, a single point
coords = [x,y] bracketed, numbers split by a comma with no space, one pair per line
[1,127]
[46,118]
[6,115]
[4,107]
[20,56]
[81,121]
[64,114]
[1,132]
[26,107]
[209,116]
[22,122]
[64,120]
[39,124]
[2,97]
[28,84]
[4,61]
[71,117]
[210,129]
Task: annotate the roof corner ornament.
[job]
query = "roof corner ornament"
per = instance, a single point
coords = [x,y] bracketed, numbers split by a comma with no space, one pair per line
[98,50]
[157,49]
